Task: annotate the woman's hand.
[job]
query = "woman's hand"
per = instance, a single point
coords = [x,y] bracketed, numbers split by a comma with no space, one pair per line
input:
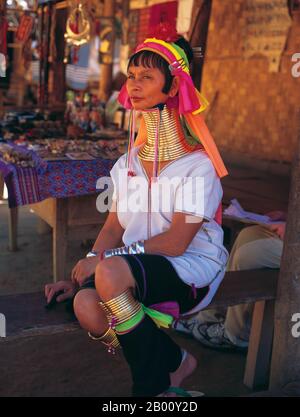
[84,269]
[279,229]
[67,286]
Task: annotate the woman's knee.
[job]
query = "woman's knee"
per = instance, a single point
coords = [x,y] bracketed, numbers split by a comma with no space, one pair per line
[112,277]
[89,313]
[85,304]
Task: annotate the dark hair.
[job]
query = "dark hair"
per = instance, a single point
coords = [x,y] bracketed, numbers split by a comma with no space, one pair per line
[118,81]
[151,59]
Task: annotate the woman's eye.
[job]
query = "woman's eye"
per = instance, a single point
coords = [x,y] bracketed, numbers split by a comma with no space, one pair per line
[130,77]
[147,77]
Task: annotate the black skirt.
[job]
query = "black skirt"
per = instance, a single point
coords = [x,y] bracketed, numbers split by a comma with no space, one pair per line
[157,281]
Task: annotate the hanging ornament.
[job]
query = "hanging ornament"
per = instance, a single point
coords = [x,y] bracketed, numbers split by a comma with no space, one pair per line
[25,28]
[78,27]
[106,43]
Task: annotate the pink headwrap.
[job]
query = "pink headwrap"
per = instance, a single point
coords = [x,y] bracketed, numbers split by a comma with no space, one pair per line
[189,101]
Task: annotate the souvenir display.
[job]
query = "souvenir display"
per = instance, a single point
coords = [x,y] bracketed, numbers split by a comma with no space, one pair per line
[17,156]
[87,112]
[49,139]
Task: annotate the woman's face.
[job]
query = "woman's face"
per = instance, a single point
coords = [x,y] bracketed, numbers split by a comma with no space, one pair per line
[144,86]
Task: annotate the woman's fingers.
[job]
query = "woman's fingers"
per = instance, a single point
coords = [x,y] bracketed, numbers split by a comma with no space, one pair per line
[276,215]
[47,289]
[50,289]
[50,294]
[77,275]
[67,294]
[81,280]
[273,229]
[74,273]
[278,229]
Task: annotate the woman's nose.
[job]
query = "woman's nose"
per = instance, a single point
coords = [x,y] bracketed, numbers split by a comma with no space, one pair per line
[134,85]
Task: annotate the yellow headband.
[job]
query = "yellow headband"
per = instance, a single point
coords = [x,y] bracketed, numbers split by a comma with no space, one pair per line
[178,57]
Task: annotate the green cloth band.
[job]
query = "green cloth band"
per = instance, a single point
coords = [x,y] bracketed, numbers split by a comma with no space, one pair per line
[131,323]
[160,319]
[179,391]
[181,53]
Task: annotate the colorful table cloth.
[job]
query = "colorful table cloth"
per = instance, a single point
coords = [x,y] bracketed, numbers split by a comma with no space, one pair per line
[52,179]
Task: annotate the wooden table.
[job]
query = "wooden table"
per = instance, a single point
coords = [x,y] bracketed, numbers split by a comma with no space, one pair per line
[69,218]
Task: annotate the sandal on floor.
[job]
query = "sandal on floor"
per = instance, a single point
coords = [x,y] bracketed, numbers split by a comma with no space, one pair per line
[180,392]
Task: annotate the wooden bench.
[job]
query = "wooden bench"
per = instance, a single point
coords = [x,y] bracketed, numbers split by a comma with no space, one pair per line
[259,287]
[26,316]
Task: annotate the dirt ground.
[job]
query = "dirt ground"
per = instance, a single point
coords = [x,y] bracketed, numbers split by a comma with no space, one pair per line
[64,365]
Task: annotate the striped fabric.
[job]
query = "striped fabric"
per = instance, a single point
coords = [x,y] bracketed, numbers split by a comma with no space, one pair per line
[77,75]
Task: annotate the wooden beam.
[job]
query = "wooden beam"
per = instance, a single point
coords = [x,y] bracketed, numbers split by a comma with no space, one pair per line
[239,287]
[285,365]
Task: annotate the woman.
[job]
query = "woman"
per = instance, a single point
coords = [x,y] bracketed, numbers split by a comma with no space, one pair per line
[173,259]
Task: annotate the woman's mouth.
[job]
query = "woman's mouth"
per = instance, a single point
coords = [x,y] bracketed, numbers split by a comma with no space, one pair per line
[136,98]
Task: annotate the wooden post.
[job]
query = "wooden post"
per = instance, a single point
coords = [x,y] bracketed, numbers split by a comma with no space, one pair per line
[198,37]
[46,45]
[1,186]
[285,365]
[2,6]
[2,88]
[59,67]
[106,69]
[60,236]
[13,229]
[260,345]
[43,227]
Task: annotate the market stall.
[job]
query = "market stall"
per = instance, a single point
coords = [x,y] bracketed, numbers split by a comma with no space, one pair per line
[56,176]
[57,135]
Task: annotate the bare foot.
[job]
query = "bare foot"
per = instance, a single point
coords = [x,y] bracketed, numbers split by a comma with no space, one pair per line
[186,368]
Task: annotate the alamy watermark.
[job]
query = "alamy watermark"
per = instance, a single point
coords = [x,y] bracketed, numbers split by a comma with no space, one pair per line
[296,67]
[2,325]
[296,326]
[167,195]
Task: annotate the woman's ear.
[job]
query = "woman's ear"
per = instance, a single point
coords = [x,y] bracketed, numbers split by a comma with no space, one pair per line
[174,87]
